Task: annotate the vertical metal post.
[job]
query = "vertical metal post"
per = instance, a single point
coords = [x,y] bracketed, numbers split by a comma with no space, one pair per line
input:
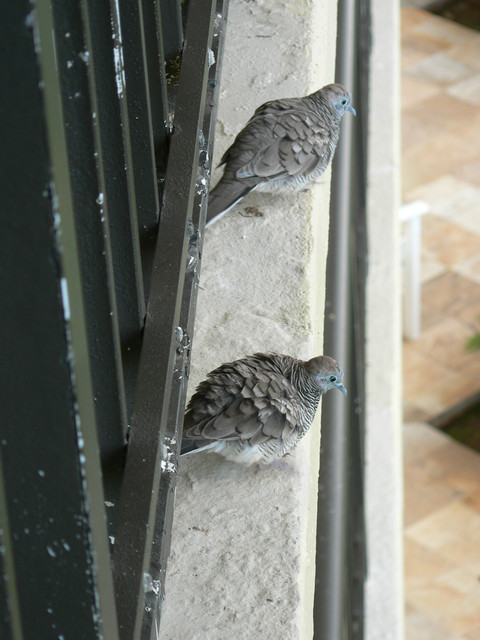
[146,501]
[51,503]
[77,63]
[340,564]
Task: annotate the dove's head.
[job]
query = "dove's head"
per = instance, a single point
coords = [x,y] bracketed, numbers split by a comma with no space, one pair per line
[339,98]
[327,373]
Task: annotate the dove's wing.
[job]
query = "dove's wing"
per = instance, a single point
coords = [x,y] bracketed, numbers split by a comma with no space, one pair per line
[241,403]
[283,142]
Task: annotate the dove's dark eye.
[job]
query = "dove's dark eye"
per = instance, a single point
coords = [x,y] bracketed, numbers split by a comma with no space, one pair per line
[333,378]
[344,102]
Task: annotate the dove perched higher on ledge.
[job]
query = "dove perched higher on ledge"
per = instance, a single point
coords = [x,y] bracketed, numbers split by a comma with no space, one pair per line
[256,409]
[286,144]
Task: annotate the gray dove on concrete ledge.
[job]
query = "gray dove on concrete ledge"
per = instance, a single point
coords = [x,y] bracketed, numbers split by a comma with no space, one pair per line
[256,409]
[285,145]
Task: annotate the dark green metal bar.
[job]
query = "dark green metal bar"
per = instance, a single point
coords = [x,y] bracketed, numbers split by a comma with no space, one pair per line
[161,549]
[145,511]
[76,68]
[160,120]
[138,102]
[53,508]
[10,616]
[171,25]
[155,62]
[102,26]
[171,11]
[86,439]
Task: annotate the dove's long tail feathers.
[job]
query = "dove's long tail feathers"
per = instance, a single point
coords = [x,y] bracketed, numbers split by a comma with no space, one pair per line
[235,451]
[190,446]
[224,196]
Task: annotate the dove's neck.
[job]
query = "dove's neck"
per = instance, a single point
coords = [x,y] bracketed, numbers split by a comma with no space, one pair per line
[298,375]
[325,108]
[309,392]
[305,383]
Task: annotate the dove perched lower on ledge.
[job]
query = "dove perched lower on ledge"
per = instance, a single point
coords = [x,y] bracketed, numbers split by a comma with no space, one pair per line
[286,144]
[256,409]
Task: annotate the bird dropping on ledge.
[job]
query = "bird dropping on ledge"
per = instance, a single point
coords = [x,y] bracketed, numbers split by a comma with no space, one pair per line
[256,409]
[285,145]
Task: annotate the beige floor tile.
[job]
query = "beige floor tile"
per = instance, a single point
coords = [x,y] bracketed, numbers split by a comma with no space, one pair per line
[467,90]
[469,171]
[427,445]
[445,344]
[415,91]
[423,566]
[415,50]
[448,243]
[472,500]
[467,52]
[411,17]
[442,555]
[436,27]
[469,133]
[415,173]
[471,375]
[461,468]
[415,131]
[419,370]
[464,210]
[470,220]
[419,626]
[469,268]
[452,532]
[428,471]
[437,397]
[447,194]
[449,295]
[430,269]
[439,68]
[470,315]
[455,611]
[421,125]
[425,491]
[432,387]
[473,634]
[463,582]
[439,155]
[412,413]
[442,112]
[420,440]
[474,566]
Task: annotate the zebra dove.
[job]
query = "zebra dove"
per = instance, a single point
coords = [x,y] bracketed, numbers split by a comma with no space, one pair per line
[285,145]
[256,409]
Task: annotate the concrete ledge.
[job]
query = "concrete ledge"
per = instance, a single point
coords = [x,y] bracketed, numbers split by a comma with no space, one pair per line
[242,561]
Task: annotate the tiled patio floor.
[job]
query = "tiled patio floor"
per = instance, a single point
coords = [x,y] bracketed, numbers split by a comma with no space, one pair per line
[442,534]
[441,165]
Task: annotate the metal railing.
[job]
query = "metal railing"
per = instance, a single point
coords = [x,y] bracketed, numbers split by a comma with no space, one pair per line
[341,554]
[108,136]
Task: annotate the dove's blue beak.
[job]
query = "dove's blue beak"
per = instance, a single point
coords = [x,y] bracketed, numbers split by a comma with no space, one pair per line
[352,110]
[340,387]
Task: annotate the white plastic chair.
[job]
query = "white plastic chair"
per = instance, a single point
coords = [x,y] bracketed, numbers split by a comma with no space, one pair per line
[411,218]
